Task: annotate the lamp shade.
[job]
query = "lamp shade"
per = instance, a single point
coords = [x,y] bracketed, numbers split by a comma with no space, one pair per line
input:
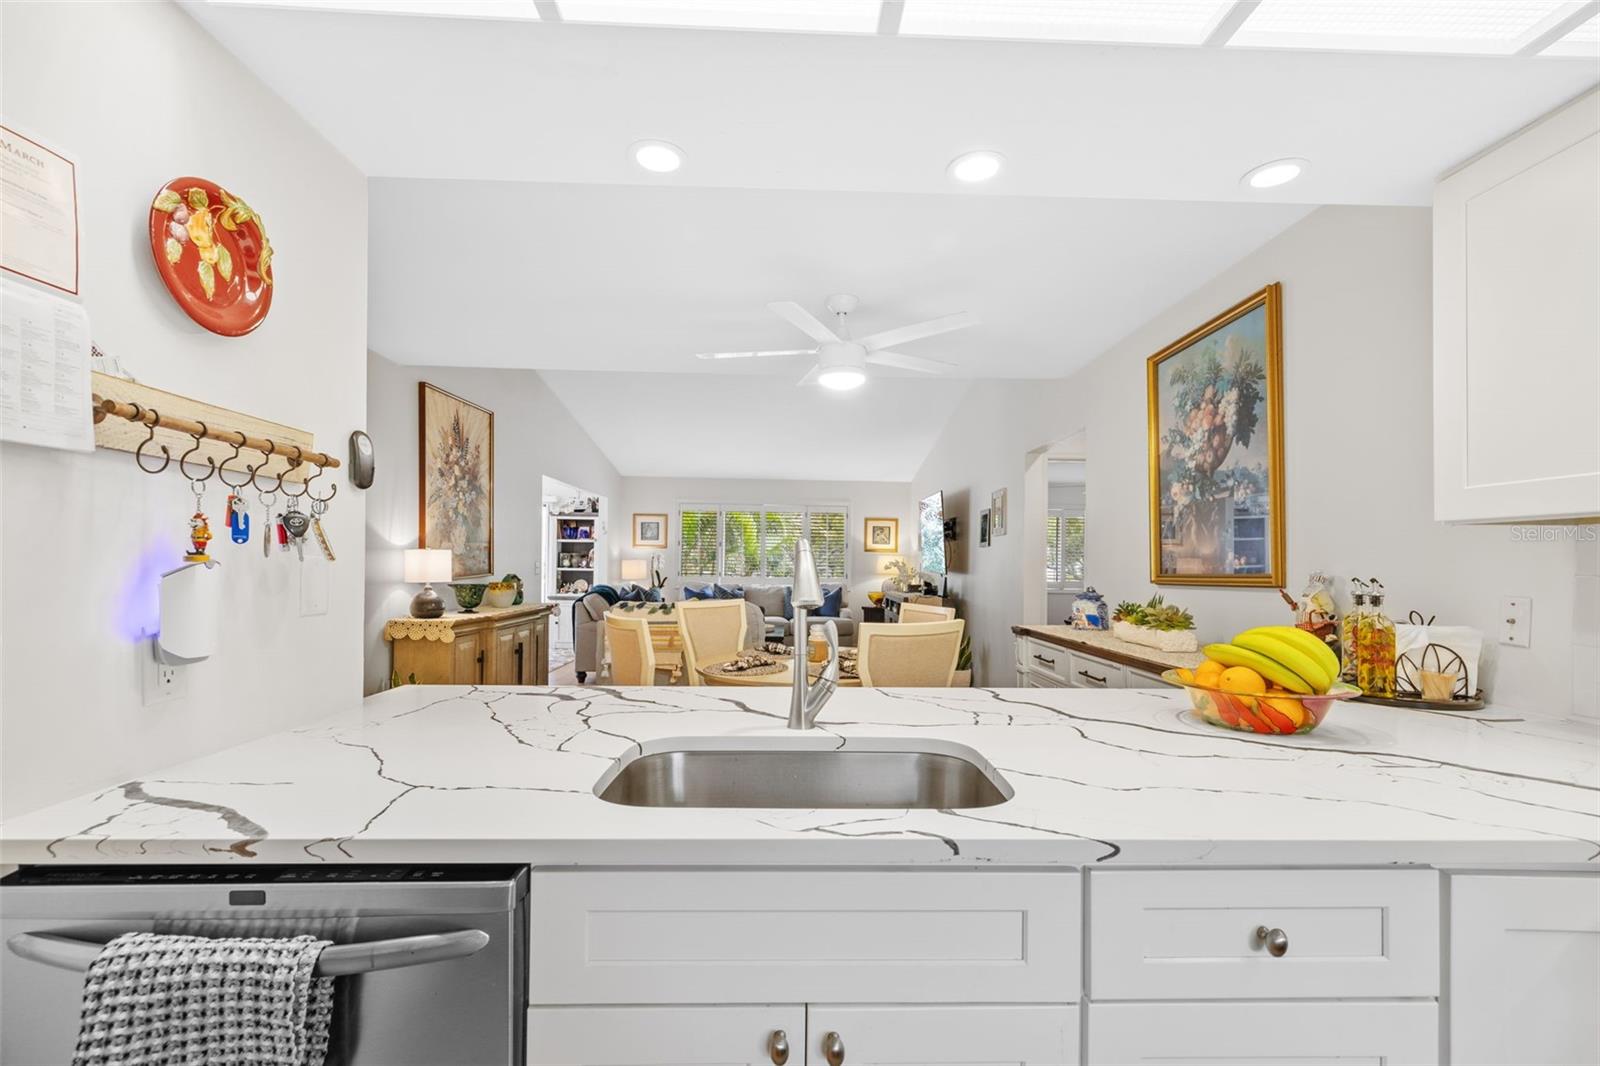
[635,569]
[427,564]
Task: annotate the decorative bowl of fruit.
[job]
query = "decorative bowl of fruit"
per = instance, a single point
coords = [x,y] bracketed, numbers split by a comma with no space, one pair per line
[1273,679]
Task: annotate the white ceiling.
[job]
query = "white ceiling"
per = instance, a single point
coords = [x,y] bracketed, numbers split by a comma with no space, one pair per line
[631,279]
[668,425]
[509,227]
[423,97]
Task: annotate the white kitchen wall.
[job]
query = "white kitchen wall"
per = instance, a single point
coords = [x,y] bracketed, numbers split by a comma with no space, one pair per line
[534,436]
[82,537]
[864,499]
[1357,293]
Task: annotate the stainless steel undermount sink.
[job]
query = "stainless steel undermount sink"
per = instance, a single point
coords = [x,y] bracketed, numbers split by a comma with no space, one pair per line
[874,775]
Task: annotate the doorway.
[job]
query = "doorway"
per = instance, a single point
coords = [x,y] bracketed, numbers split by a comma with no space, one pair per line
[1066,516]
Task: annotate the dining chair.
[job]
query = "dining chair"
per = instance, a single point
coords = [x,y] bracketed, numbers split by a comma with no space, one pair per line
[633,655]
[712,630]
[925,612]
[920,655]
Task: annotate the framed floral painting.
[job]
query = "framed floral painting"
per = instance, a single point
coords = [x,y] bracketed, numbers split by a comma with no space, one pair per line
[1216,450]
[456,493]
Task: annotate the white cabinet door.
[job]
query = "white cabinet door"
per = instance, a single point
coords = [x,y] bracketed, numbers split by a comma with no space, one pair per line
[930,1036]
[666,1036]
[1283,1034]
[1516,338]
[1524,969]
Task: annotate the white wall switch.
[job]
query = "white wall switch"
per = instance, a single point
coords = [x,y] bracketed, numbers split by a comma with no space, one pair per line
[1516,621]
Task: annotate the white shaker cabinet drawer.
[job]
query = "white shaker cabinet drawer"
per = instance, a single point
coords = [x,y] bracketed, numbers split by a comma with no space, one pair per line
[666,1036]
[945,1034]
[1089,672]
[1263,934]
[1047,660]
[1282,1034]
[798,936]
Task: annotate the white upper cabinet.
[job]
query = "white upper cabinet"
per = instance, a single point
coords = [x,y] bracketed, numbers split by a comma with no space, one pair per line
[1516,326]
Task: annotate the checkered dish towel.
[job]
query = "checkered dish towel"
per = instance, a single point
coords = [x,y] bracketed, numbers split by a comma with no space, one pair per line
[153,999]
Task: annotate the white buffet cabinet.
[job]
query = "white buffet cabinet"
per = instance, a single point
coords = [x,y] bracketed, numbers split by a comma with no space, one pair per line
[1041,664]
[876,967]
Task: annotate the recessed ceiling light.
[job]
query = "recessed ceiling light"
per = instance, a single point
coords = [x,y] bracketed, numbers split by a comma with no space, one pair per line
[974,167]
[658,157]
[1271,175]
[842,379]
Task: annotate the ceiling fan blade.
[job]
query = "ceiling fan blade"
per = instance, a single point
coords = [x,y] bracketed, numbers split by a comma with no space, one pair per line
[754,355]
[909,362]
[903,334]
[804,321]
[811,376]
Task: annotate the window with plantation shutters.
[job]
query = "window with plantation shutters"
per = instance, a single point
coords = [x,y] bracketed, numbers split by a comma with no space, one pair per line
[1063,540]
[758,542]
[698,542]
[829,548]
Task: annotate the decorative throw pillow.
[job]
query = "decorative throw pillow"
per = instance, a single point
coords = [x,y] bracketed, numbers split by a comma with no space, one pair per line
[630,594]
[832,602]
[727,592]
[702,592]
[652,596]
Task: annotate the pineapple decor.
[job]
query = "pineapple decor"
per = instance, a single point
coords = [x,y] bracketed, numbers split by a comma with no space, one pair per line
[1156,624]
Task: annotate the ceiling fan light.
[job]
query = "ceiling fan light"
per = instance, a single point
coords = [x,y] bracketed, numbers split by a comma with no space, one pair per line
[658,157]
[976,167]
[842,379]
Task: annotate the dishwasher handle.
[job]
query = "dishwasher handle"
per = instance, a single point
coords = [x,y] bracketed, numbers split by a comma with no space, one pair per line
[338,960]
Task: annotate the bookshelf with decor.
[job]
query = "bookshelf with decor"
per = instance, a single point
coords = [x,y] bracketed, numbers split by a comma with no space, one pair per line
[575,551]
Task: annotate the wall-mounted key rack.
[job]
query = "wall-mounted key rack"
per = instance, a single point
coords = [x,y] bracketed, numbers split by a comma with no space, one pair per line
[162,427]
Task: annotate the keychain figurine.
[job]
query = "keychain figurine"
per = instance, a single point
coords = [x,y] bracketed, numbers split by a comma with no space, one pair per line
[199,537]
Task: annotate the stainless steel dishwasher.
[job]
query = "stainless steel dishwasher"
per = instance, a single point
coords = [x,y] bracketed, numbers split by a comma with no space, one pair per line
[431,961]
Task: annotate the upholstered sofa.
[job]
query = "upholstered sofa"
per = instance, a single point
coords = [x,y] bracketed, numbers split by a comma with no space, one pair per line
[770,600]
[588,628]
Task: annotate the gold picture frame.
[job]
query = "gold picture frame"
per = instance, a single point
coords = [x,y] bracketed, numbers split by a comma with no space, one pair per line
[455,471]
[649,531]
[1215,439]
[881,535]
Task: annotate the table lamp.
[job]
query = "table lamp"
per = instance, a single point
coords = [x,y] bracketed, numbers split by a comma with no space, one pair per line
[427,565]
[635,570]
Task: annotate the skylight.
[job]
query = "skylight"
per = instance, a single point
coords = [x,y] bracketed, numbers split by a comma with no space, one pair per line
[1150,22]
[1448,26]
[490,9]
[812,16]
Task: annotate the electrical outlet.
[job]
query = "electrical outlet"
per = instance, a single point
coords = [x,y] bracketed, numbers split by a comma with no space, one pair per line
[160,681]
[1516,625]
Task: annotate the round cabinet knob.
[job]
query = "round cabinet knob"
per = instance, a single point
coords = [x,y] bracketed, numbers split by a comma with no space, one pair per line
[778,1047]
[1276,941]
[833,1049]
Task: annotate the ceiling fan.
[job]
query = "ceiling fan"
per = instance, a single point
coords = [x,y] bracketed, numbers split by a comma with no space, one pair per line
[842,362]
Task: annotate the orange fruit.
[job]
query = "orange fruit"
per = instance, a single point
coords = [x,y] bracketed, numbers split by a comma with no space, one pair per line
[1207,673]
[1290,709]
[1186,675]
[1243,680]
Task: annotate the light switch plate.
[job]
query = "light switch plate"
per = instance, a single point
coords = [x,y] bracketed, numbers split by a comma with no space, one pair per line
[1516,621]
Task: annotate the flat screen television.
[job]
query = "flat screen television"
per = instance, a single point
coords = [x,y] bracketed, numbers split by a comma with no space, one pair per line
[930,527]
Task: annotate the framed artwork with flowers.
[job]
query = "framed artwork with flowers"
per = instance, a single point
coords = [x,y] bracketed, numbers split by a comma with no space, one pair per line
[456,494]
[1216,450]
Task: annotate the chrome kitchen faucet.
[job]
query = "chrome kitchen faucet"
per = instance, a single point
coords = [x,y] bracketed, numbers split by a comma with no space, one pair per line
[807,699]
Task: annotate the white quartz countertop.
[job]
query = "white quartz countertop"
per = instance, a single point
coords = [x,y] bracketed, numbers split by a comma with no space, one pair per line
[446,774]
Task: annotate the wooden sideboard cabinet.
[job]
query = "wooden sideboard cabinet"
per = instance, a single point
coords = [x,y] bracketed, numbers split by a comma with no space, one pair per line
[488,646]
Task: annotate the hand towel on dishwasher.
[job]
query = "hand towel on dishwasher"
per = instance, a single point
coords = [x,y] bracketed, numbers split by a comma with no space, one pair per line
[152,999]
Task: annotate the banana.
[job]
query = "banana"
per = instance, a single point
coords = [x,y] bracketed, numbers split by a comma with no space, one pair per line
[1271,669]
[1275,647]
[1308,643]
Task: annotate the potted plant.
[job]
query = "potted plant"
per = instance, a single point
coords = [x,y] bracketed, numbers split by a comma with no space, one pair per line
[1164,626]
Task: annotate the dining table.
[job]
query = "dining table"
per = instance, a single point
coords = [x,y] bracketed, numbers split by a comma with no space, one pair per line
[781,672]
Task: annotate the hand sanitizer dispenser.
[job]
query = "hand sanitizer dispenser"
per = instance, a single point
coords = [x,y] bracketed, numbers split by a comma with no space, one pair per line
[189,598]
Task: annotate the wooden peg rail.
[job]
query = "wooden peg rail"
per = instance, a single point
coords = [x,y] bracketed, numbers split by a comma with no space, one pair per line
[124,411]
[145,416]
